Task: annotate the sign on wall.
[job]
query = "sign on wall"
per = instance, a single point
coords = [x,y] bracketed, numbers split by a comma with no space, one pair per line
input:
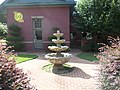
[18,16]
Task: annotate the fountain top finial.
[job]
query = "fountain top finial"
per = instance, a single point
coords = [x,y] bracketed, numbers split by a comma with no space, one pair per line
[58,34]
[58,31]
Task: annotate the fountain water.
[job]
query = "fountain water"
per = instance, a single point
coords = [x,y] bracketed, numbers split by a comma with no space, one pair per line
[58,59]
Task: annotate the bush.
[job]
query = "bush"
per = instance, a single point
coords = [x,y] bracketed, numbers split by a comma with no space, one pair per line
[52,37]
[14,39]
[14,28]
[16,46]
[90,47]
[110,65]
[3,30]
[15,33]
[11,77]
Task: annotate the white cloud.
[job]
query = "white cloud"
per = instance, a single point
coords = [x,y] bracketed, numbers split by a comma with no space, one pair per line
[1,1]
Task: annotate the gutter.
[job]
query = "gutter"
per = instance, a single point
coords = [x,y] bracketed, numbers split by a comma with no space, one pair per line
[39,4]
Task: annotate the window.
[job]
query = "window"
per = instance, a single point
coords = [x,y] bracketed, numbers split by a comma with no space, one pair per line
[37,23]
[38,35]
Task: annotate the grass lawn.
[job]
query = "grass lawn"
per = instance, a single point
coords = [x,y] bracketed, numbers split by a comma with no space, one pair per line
[87,56]
[25,57]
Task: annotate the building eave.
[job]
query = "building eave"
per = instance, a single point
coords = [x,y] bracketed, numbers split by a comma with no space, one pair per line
[39,4]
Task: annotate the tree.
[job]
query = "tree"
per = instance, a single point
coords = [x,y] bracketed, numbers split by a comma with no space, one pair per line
[98,17]
[14,38]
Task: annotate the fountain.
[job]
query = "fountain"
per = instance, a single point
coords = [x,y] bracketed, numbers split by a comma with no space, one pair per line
[59,59]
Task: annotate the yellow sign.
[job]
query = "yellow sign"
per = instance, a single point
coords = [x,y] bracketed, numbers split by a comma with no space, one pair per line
[18,16]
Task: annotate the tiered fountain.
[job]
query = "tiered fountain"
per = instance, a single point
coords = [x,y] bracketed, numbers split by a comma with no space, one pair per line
[58,59]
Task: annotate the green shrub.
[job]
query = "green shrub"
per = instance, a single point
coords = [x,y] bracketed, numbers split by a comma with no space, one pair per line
[14,39]
[11,77]
[90,47]
[15,33]
[53,44]
[16,46]
[110,65]
[52,37]
[3,30]
[14,28]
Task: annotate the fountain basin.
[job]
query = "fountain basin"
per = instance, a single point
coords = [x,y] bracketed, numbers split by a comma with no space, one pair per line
[57,49]
[58,34]
[58,41]
[58,60]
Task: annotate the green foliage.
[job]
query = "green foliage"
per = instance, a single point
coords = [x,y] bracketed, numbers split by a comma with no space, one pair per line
[14,39]
[52,37]
[14,28]
[90,47]
[110,65]
[11,77]
[16,45]
[51,44]
[98,17]
[14,33]
[3,18]
[3,30]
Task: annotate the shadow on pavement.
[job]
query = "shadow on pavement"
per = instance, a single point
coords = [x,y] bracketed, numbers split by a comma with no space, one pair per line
[77,73]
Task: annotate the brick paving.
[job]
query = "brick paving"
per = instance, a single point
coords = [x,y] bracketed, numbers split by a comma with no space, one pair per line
[83,77]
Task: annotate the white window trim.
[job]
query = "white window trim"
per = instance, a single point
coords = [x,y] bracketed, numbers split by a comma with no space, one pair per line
[40,17]
[37,17]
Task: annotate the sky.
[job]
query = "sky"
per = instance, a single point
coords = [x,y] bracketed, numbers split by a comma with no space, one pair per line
[1,1]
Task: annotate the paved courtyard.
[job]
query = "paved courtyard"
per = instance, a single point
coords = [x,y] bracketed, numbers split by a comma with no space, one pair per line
[83,77]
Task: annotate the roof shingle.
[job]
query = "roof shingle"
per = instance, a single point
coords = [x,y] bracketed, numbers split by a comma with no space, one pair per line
[38,2]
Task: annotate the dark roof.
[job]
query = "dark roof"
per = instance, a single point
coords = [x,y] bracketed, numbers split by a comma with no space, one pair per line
[37,2]
[19,3]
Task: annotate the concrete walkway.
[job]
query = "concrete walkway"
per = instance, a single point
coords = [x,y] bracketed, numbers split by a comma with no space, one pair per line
[83,77]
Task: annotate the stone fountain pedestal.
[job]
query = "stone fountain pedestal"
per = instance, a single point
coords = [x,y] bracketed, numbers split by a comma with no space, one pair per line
[61,69]
[59,59]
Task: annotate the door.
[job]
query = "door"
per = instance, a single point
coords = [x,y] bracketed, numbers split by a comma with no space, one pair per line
[37,33]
